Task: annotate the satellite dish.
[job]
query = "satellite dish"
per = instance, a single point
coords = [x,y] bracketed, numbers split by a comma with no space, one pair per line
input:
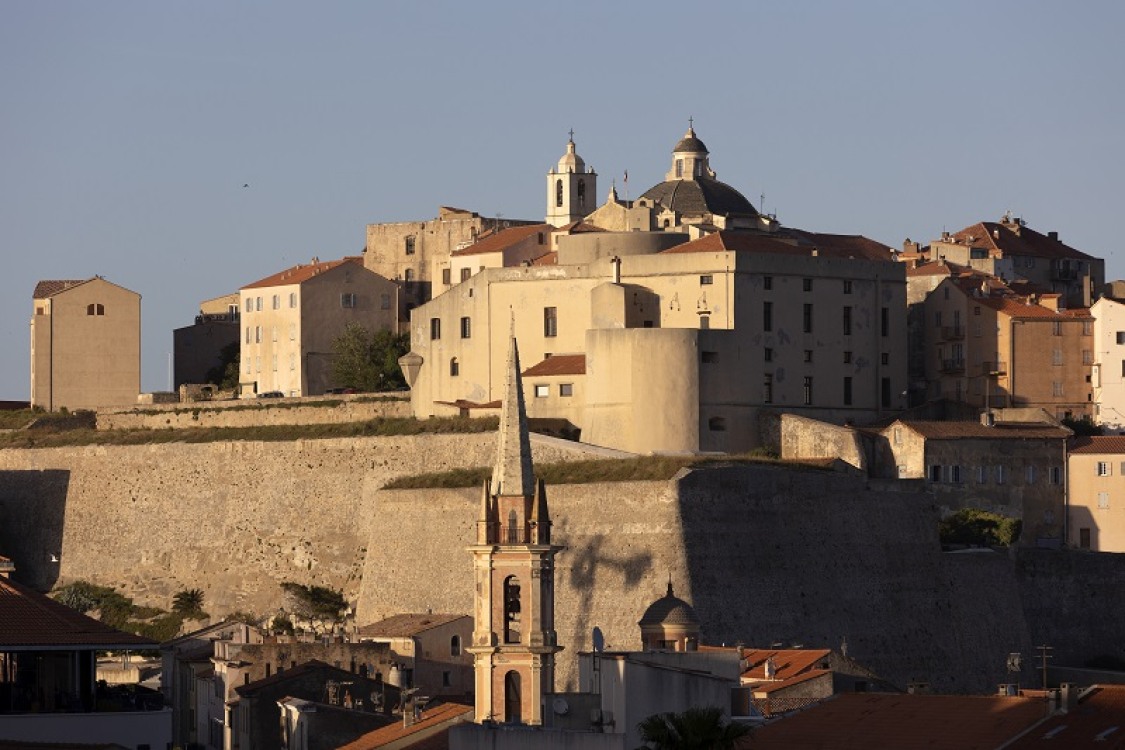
[560,706]
[598,639]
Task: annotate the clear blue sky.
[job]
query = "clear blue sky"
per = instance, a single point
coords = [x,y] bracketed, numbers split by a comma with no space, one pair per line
[129,128]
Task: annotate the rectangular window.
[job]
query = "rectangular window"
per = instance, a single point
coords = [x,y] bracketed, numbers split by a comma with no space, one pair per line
[885,392]
[1087,357]
[1057,388]
[466,273]
[446,275]
[276,302]
[767,283]
[542,391]
[1121,337]
[767,389]
[247,334]
[709,358]
[1056,328]
[1087,328]
[347,300]
[258,304]
[1056,475]
[847,286]
[706,279]
[292,299]
[250,308]
[292,361]
[550,322]
[808,355]
[955,474]
[847,321]
[1084,538]
[767,316]
[466,328]
[257,364]
[1057,357]
[767,354]
[275,363]
[273,334]
[292,331]
[808,390]
[976,330]
[1104,469]
[409,245]
[885,321]
[566,390]
[935,473]
[847,358]
[847,391]
[808,318]
[806,284]
[937,319]
[1000,474]
[982,473]
[257,334]
[898,436]
[435,328]
[885,358]
[1031,475]
[1103,501]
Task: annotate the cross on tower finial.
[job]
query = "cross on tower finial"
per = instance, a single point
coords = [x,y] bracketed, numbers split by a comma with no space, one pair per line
[572,135]
[690,122]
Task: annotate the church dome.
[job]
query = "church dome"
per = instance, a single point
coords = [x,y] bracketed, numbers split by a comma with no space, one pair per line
[699,196]
[690,144]
[669,610]
[571,161]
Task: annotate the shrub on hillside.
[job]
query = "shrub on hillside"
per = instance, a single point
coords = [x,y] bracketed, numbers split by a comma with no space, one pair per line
[979,528]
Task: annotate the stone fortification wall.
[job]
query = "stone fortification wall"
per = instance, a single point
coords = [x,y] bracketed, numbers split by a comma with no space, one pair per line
[764,554]
[252,413]
[234,518]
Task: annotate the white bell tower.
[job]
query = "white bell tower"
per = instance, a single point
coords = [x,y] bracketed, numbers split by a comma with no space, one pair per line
[572,189]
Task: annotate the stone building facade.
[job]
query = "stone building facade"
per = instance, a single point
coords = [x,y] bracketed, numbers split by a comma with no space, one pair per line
[85,345]
[1096,496]
[1108,371]
[197,348]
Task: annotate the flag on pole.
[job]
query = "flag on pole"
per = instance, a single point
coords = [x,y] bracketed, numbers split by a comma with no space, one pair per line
[626,176]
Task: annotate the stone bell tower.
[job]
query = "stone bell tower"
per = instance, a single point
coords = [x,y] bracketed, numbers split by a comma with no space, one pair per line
[514,641]
[572,189]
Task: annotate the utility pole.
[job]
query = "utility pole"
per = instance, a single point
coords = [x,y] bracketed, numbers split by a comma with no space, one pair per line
[1043,657]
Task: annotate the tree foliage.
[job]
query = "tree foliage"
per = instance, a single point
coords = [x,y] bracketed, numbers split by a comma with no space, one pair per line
[225,373]
[315,602]
[188,602]
[694,729]
[369,362]
[980,528]
[1084,426]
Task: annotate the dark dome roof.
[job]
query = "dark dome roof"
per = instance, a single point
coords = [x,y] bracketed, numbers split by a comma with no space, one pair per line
[699,196]
[690,143]
[669,610]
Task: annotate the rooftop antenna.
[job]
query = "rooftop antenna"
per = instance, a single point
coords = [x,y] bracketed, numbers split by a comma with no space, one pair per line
[1043,657]
[762,202]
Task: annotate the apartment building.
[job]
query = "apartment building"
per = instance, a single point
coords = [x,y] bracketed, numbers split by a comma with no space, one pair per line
[85,345]
[1108,372]
[291,319]
[1096,507]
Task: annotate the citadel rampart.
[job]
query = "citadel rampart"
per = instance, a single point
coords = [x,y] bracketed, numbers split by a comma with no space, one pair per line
[252,413]
[766,554]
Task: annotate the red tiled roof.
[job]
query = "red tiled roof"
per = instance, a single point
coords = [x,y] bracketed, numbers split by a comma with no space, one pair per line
[30,621]
[846,245]
[995,236]
[955,430]
[1017,309]
[50,288]
[404,626]
[312,665]
[725,242]
[771,687]
[299,274]
[1098,444]
[788,662]
[550,259]
[559,364]
[503,240]
[1101,713]
[434,717]
[879,721]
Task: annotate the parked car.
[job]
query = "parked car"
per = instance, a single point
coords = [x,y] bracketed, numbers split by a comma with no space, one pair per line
[332,391]
[271,394]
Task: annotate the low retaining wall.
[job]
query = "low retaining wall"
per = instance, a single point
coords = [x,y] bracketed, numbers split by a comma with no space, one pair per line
[252,413]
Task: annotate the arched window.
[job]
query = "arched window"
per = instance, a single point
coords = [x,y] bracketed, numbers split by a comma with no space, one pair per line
[511,610]
[558,193]
[95,309]
[454,368]
[409,275]
[667,222]
[455,646]
[581,193]
[513,528]
[512,700]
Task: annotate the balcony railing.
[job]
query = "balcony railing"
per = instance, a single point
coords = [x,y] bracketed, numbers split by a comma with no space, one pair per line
[953,365]
[950,333]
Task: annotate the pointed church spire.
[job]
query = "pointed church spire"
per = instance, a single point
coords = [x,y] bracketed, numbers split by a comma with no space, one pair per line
[512,474]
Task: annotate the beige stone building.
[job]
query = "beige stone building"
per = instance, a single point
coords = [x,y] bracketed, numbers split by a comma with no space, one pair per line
[1108,375]
[85,345]
[517,246]
[290,320]
[429,650]
[196,348]
[1096,494]
[1015,469]
[987,346]
[1013,251]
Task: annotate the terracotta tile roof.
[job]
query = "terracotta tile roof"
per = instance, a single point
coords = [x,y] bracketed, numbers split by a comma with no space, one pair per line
[880,721]
[578,227]
[1097,444]
[50,288]
[30,621]
[450,713]
[310,666]
[765,688]
[1002,238]
[404,626]
[846,245]
[503,240]
[956,430]
[1100,714]
[299,274]
[930,269]
[1018,309]
[550,259]
[788,662]
[725,242]
[559,364]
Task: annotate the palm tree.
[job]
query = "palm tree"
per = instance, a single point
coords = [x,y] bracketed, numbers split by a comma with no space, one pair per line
[188,601]
[694,729]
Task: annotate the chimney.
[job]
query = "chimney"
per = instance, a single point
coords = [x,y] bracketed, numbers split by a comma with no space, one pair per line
[988,419]
[616,261]
[1053,236]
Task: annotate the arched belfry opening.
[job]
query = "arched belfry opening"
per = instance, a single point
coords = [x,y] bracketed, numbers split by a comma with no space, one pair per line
[514,641]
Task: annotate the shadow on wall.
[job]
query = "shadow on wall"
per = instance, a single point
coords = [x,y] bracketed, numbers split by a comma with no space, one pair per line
[32,511]
[585,563]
